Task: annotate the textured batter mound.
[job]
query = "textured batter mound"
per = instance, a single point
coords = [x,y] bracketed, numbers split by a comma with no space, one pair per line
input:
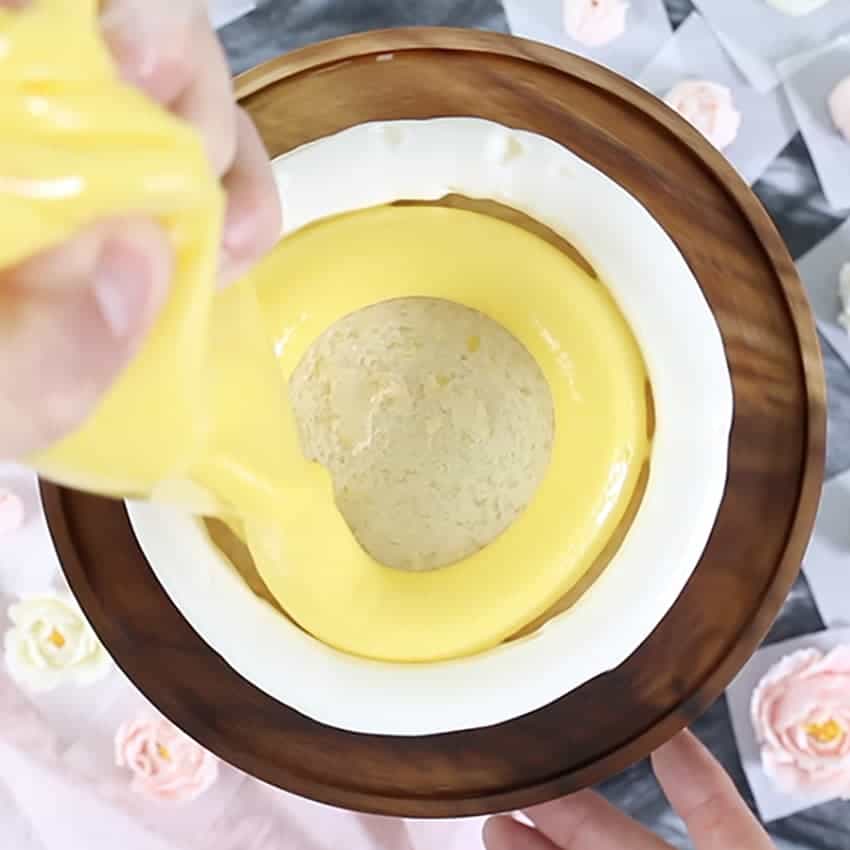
[435,424]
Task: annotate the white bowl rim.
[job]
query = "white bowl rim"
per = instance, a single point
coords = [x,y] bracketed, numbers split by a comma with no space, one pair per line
[693,398]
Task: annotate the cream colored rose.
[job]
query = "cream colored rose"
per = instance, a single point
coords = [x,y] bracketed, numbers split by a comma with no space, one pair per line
[797,8]
[50,643]
[801,716]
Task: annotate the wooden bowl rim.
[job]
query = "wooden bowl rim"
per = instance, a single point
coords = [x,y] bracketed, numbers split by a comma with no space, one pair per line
[435,39]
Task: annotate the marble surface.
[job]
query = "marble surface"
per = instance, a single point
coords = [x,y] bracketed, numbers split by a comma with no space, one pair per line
[790,192]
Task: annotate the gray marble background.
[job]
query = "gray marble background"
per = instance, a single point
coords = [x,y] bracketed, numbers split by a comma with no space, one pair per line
[791,193]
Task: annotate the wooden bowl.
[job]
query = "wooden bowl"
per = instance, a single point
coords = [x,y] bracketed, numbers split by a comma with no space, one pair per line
[775,459]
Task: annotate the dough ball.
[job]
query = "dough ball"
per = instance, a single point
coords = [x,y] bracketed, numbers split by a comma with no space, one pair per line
[435,424]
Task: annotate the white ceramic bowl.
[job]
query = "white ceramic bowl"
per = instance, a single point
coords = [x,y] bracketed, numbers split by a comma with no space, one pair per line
[693,405]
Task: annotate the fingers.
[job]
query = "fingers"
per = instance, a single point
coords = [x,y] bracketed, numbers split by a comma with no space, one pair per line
[70,321]
[505,833]
[169,50]
[252,223]
[586,821]
[705,798]
[207,102]
[151,43]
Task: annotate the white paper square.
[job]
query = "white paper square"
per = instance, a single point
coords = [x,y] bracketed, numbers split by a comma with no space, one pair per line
[223,12]
[772,803]
[767,125]
[827,561]
[772,36]
[760,73]
[647,28]
[808,89]
[819,270]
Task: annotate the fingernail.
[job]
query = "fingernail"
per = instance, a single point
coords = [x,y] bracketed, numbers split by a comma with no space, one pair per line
[236,246]
[133,47]
[123,288]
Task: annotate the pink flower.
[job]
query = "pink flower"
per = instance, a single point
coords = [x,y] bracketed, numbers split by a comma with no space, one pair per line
[839,107]
[595,22]
[709,107]
[801,716]
[166,764]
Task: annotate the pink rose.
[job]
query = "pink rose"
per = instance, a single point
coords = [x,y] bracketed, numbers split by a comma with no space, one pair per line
[709,107]
[801,716]
[839,107]
[166,764]
[595,22]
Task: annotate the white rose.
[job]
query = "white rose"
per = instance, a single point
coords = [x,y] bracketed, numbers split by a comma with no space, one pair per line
[797,8]
[50,643]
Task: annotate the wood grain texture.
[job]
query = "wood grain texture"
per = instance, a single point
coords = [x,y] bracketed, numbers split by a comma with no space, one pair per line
[775,461]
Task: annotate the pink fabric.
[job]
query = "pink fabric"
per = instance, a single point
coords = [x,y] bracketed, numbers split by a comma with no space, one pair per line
[60,786]
[12,512]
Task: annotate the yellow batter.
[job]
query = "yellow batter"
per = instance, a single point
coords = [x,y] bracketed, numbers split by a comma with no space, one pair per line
[199,419]
[572,328]
[77,146]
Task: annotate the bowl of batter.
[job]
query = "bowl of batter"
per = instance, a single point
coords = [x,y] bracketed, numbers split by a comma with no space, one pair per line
[526,421]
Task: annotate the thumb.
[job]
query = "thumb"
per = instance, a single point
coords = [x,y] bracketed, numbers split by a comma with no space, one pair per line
[70,321]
